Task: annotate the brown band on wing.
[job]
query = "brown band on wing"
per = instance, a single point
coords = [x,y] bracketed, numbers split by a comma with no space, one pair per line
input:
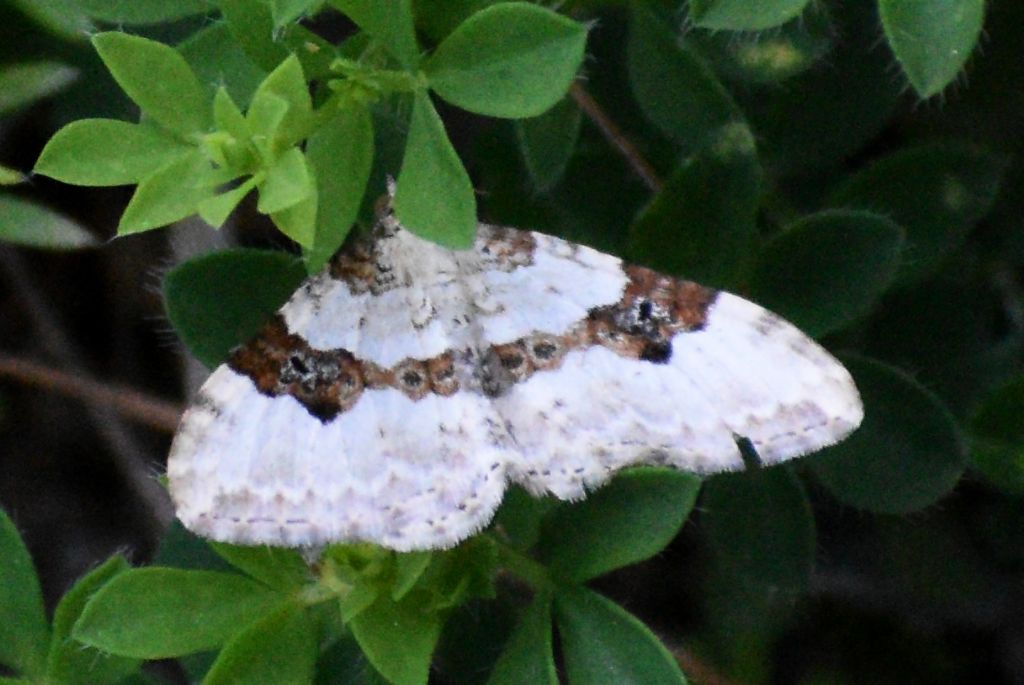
[363,269]
[503,248]
[641,325]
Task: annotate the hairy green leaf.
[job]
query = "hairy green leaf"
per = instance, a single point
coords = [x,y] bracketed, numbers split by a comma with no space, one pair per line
[828,269]
[701,223]
[603,643]
[24,632]
[905,456]
[220,300]
[509,60]
[625,522]
[761,532]
[279,648]
[932,39]
[675,89]
[823,116]
[277,567]
[937,192]
[769,57]
[528,657]
[398,638]
[742,15]
[71,662]
[155,613]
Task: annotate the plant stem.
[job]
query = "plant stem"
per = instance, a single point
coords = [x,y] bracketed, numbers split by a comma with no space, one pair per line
[616,137]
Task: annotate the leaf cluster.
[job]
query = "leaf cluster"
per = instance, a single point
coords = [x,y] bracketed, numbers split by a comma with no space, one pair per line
[273,616]
[306,137]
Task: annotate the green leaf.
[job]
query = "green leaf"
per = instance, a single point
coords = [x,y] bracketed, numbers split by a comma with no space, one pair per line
[287,11]
[521,514]
[390,22]
[155,613]
[23,222]
[761,532]
[674,88]
[398,638]
[182,548]
[228,117]
[220,62]
[252,25]
[528,657]
[288,83]
[279,648]
[10,177]
[70,662]
[626,521]
[277,567]
[937,192]
[824,116]
[434,196]
[298,222]
[769,57]
[24,632]
[932,39]
[508,60]
[701,223]
[288,183]
[21,84]
[216,210]
[997,432]
[362,595]
[340,154]
[170,194]
[742,15]
[467,572]
[548,141]
[220,300]
[603,643]
[61,17]
[827,270]
[438,18]
[107,152]
[142,11]
[158,79]
[263,119]
[906,455]
[409,568]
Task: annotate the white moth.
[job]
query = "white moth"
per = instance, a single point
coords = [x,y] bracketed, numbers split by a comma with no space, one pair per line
[396,394]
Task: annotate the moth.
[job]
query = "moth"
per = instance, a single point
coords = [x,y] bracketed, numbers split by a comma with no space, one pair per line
[397,393]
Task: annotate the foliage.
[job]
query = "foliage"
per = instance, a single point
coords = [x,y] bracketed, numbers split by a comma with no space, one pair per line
[791,168]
